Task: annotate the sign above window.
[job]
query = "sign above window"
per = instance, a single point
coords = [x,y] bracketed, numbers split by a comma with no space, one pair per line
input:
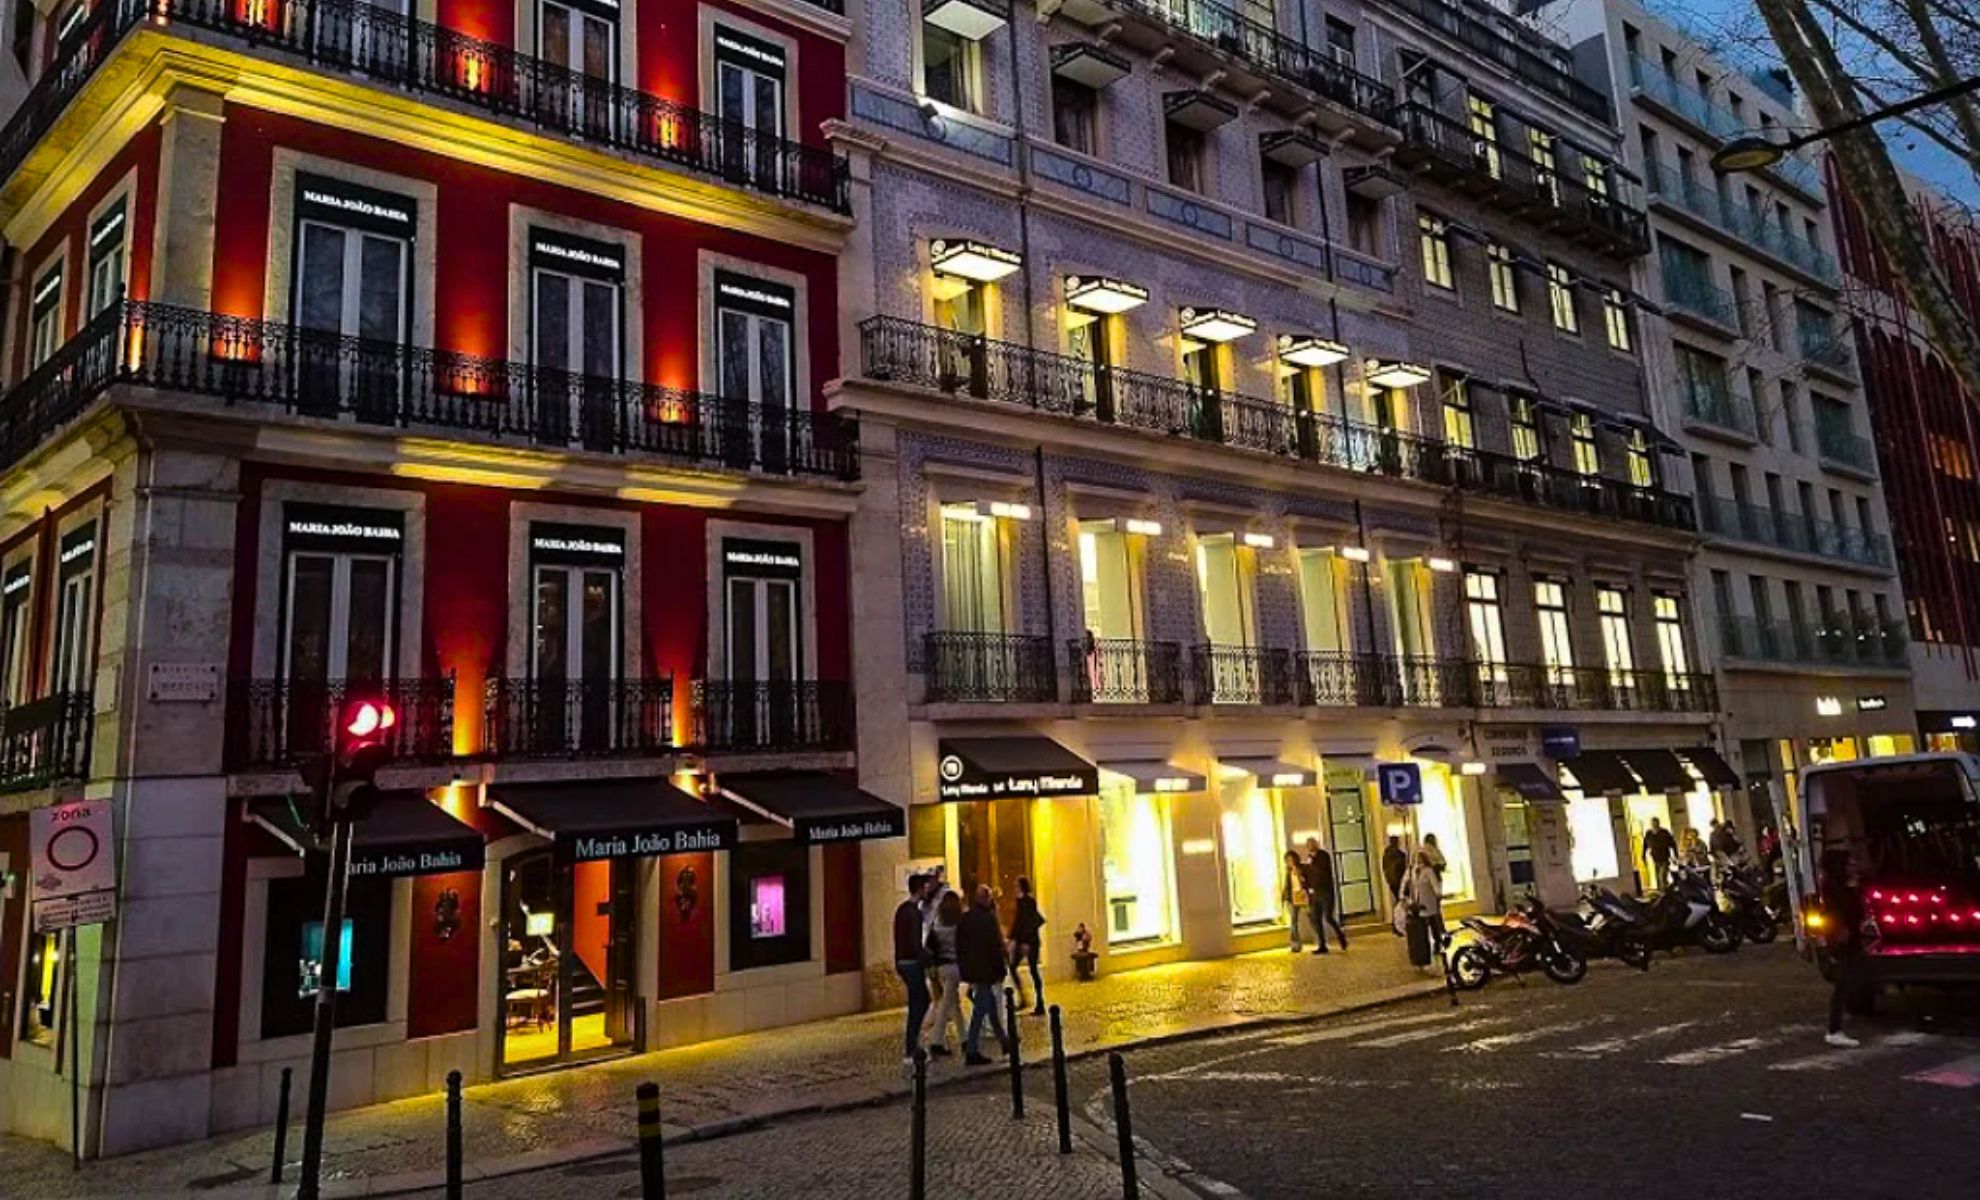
[349,530]
[762,559]
[341,202]
[577,545]
[47,291]
[18,577]
[976,261]
[107,232]
[78,550]
[569,254]
[755,53]
[742,293]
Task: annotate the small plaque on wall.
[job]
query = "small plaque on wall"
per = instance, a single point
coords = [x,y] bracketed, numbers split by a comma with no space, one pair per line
[184,683]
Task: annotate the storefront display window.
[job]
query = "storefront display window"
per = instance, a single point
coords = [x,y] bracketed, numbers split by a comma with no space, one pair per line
[769,904]
[292,954]
[1883,745]
[1831,750]
[310,963]
[767,916]
[1253,829]
[1591,839]
[1639,810]
[1701,808]
[44,971]
[1442,814]
[1140,883]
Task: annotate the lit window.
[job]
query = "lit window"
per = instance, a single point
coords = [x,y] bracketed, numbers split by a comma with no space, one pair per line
[1140,890]
[1595,175]
[1505,283]
[1587,456]
[1615,318]
[1457,414]
[1642,472]
[1485,133]
[1612,606]
[1525,429]
[1488,637]
[1540,147]
[1560,298]
[1556,650]
[1436,237]
[1670,641]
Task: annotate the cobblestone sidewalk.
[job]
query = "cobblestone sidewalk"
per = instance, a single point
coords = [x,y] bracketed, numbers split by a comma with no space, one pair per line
[724,1086]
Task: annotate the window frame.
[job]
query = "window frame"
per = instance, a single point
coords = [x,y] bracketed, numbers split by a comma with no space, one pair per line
[1504,274]
[1560,300]
[1433,235]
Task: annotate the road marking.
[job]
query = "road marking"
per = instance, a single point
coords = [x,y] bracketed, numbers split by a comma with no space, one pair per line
[1608,1046]
[1418,1035]
[1746,1116]
[1732,1049]
[1500,1041]
[1836,1060]
[1343,1032]
[1960,1073]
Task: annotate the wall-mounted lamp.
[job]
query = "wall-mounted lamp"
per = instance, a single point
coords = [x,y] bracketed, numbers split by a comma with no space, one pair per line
[1260,541]
[1396,374]
[1442,564]
[1098,295]
[1355,553]
[1216,325]
[976,261]
[1310,351]
[1471,768]
[1142,527]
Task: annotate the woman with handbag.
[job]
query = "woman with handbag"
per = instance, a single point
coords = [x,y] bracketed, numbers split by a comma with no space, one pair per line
[1423,901]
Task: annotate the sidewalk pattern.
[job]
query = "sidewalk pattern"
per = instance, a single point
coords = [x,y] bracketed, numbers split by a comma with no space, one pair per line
[720,1087]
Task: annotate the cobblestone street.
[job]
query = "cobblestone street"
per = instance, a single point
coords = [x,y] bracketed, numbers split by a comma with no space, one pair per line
[719,1087]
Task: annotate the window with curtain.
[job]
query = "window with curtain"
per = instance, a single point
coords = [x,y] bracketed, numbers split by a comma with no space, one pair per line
[1587,455]
[1560,299]
[1488,634]
[1458,430]
[1669,618]
[1505,279]
[1435,235]
[1556,648]
[972,571]
[1612,607]
[1525,419]
[1615,319]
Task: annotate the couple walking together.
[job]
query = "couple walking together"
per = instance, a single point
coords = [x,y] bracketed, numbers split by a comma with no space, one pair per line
[936,938]
[1308,889]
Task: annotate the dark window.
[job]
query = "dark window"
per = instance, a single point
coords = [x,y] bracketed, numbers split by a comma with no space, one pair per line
[1281,193]
[1185,152]
[945,67]
[1075,108]
[769,904]
[1364,219]
[293,945]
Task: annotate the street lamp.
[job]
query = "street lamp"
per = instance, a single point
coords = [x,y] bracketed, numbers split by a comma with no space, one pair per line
[1754,153]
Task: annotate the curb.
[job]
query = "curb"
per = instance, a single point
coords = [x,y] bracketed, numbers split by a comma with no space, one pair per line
[408,1182]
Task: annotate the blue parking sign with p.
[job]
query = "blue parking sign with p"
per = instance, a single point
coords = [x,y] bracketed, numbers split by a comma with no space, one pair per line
[1402,783]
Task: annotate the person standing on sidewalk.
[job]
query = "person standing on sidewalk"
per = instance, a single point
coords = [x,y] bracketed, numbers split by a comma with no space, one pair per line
[980,954]
[1026,930]
[1842,904]
[1423,895]
[1320,894]
[944,937]
[1395,865]
[911,961]
[1292,891]
[1658,848]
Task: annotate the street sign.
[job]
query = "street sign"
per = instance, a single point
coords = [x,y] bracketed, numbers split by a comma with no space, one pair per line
[72,861]
[1402,783]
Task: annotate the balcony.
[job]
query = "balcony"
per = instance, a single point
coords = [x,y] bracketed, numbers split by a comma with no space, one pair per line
[46,741]
[273,367]
[1848,452]
[1827,352]
[1752,523]
[1218,27]
[749,716]
[989,668]
[1341,679]
[389,51]
[590,718]
[1742,226]
[1690,292]
[1719,409]
[282,724]
[1592,689]
[1253,675]
[1554,198]
[1124,671]
[1715,121]
[1514,47]
[903,352]
[1838,642]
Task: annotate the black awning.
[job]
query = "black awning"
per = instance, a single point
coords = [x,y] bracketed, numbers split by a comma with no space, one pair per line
[614,818]
[1659,770]
[1710,765]
[1028,766]
[1529,781]
[817,807]
[406,835]
[1600,772]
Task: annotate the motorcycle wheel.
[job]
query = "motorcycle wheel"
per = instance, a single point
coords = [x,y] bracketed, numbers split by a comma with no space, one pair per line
[1469,969]
[1760,928]
[1635,952]
[1719,936]
[1565,967]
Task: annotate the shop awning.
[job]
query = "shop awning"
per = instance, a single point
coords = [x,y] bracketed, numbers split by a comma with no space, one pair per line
[1150,775]
[1271,772]
[817,807]
[614,818]
[406,835]
[1659,770]
[1529,781]
[1600,772]
[1717,774]
[1026,766]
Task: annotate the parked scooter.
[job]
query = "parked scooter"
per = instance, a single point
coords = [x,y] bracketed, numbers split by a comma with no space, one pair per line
[1604,927]
[1685,913]
[1756,905]
[1527,939]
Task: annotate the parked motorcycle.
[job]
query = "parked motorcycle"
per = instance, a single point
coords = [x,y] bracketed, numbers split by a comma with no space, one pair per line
[1756,904]
[1606,928]
[1685,913]
[1527,939]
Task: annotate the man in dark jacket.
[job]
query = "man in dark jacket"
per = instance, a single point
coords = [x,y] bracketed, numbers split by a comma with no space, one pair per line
[1659,847]
[980,956]
[1842,909]
[911,959]
[1395,865]
[1318,870]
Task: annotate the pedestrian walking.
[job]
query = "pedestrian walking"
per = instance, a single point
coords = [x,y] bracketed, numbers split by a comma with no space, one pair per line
[911,960]
[1320,894]
[1026,929]
[1423,896]
[980,954]
[1395,865]
[1292,892]
[1658,847]
[1842,905]
[944,951]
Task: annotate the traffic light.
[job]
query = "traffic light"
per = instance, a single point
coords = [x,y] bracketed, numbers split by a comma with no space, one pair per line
[364,743]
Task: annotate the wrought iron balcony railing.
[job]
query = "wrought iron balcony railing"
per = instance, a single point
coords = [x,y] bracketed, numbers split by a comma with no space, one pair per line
[46,741]
[1716,119]
[1342,679]
[388,49]
[905,352]
[1754,523]
[281,723]
[1497,37]
[1124,671]
[265,363]
[993,668]
[1242,675]
[534,718]
[743,715]
[1751,229]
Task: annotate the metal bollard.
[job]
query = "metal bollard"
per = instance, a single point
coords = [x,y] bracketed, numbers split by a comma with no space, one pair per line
[918,1135]
[453,1135]
[1123,1127]
[1059,1082]
[281,1128]
[652,1170]
[1017,1061]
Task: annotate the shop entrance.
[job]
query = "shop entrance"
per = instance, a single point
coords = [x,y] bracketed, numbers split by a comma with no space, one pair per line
[993,846]
[1347,820]
[1639,809]
[567,961]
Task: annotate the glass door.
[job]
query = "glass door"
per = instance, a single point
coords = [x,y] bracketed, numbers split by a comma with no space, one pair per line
[350,316]
[339,624]
[574,350]
[567,960]
[574,657]
[579,48]
[1347,821]
[749,99]
[755,347]
[763,657]
[993,846]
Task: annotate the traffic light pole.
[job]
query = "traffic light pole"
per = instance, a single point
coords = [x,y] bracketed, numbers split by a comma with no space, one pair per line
[326,1003]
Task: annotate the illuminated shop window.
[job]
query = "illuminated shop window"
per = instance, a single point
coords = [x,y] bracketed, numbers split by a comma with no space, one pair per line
[1137,864]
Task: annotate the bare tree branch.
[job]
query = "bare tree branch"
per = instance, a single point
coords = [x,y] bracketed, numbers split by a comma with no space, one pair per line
[1945,74]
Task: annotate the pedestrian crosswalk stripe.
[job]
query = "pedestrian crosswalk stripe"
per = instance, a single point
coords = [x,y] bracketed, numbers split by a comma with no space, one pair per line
[1418,1035]
[1835,1060]
[1960,1073]
[1344,1032]
[1608,1046]
[1501,1041]
[1732,1049]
